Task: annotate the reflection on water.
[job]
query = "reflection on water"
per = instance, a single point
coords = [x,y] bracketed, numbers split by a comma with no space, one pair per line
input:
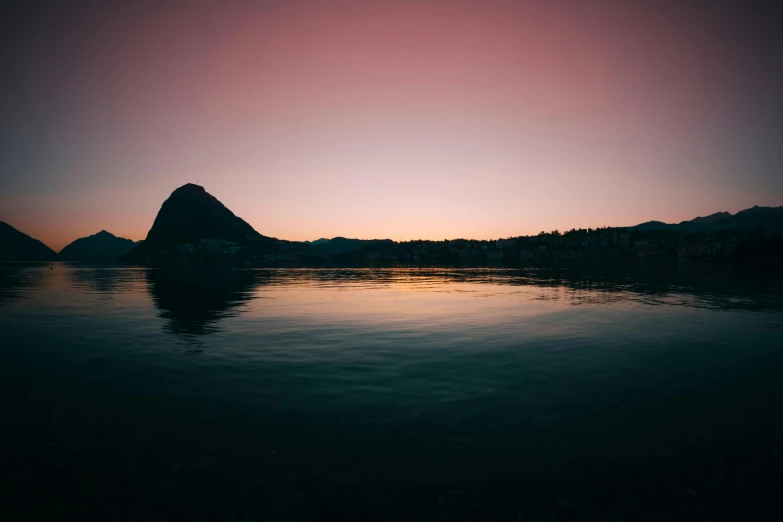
[578,392]
[99,280]
[196,304]
[17,280]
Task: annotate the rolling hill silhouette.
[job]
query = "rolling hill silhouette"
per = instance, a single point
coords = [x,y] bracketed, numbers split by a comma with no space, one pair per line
[771,218]
[709,219]
[189,215]
[102,247]
[341,245]
[18,246]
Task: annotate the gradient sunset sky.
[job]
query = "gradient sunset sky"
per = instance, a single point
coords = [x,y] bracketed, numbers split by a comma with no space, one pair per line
[396,119]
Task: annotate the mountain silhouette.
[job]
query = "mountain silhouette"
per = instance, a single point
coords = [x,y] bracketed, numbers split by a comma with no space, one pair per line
[709,219]
[342,245]
[656,225]
[102,247]
[771,218]
[189,215]
[17,246]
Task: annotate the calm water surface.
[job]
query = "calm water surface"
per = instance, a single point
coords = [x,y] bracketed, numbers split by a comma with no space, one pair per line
[395,394]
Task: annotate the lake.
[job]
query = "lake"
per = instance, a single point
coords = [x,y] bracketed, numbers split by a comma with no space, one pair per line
[585,392]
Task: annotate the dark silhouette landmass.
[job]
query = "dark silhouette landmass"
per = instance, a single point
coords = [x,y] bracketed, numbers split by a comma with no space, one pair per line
[102,247]
[712,217]
[771,218]
[193,227]
[17,246]
[189,217]
[341,245]
[752,234]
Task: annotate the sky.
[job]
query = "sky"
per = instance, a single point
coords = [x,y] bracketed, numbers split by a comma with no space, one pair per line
[420,119]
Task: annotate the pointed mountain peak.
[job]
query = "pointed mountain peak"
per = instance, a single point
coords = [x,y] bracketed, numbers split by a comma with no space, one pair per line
[190,188]
[189,215]
[103,247]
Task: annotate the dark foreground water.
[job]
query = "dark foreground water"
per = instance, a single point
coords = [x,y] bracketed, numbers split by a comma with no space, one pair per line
[585,393]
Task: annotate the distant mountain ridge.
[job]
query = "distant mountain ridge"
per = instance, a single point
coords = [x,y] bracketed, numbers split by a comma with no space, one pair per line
[341,245]
[708,219]
[771,218]
[103,247]
[190,214]
[18,246]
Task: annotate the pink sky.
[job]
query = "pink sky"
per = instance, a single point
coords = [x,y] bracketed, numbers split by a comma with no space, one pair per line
[398,119]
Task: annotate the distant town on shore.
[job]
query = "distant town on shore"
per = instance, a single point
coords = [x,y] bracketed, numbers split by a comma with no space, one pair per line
[193,226]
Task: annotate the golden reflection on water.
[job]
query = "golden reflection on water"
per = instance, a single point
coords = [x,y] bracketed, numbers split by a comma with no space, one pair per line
[415,301]
[436,298]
